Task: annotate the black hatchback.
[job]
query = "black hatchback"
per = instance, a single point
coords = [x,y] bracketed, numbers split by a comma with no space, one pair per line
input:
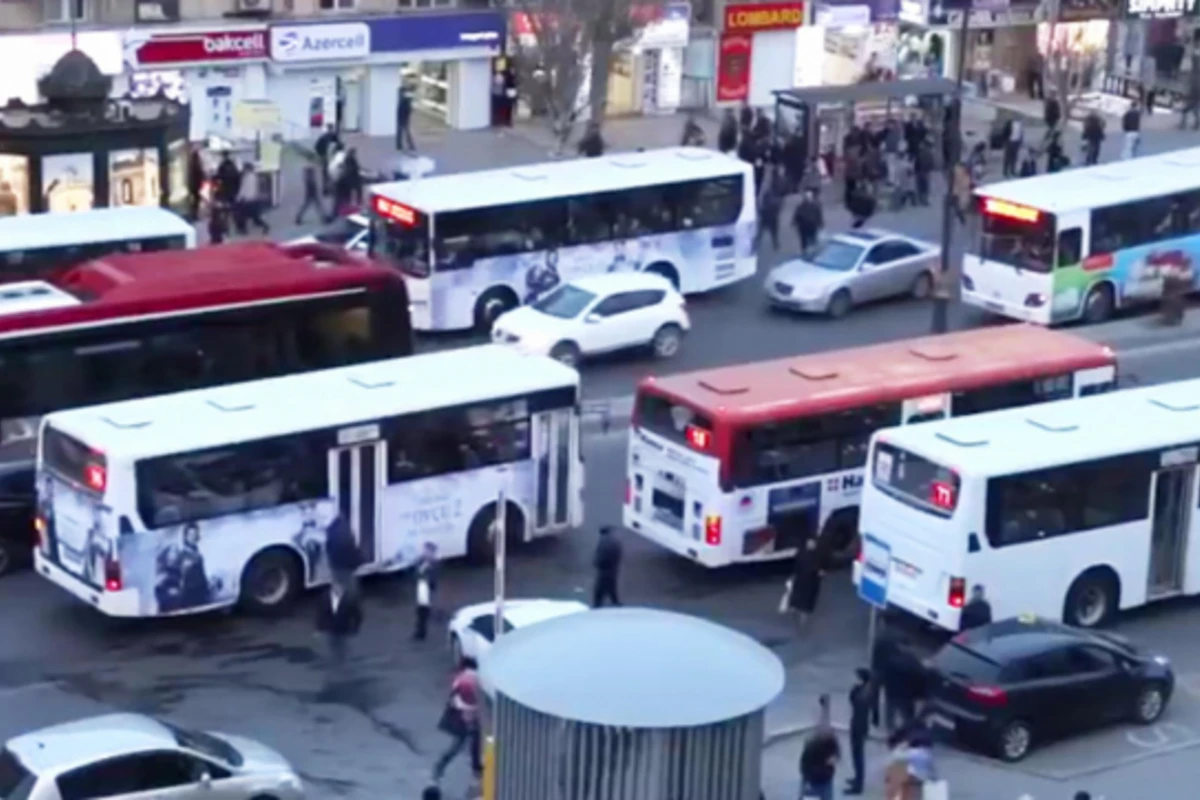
[1017,683]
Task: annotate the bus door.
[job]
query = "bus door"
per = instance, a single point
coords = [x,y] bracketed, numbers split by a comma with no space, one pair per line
[925,409]
[552,449]
[1174,495]
[354,476]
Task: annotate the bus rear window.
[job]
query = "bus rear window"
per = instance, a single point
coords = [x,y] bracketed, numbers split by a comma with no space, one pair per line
[675,422]
[1017,236]
[69,457]
[914,480]
[16,782]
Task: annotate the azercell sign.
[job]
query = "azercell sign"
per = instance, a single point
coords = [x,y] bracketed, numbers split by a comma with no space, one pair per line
[331,42]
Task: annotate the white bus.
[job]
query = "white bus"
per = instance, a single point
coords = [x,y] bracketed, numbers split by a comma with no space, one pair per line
[1083,243]
[187,502]
[474,245]
[37,245]
[1070,510]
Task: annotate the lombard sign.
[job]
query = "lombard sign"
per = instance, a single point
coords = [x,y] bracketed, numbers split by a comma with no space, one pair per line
[327,42]
[755,17]
[1160,9]
[150,50]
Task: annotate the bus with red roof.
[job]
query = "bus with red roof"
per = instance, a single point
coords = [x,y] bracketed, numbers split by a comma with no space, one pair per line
[132,325]
[745,463]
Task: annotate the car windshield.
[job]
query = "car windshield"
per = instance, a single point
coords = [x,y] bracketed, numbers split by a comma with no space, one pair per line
[16,782]
[340,232]
[565,302]
[205,744]
[837,256]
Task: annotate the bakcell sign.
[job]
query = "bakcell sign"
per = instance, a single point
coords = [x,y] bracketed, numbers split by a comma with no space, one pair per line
[328,42]
[755,17]
[202,46]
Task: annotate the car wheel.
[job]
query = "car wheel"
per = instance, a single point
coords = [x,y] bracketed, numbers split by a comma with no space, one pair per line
[840,304]
[1015,741]
[566,353]
[667,341]
[271,581]
[1150,705]
[923,286]
[1098,305]
[1091,600]
[8,558]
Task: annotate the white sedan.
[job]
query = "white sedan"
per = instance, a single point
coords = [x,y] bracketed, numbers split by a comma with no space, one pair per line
[134,756]
[599,314]
[473,629]
[351,232]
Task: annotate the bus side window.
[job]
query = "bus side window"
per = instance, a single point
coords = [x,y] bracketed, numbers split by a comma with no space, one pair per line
[1070,248]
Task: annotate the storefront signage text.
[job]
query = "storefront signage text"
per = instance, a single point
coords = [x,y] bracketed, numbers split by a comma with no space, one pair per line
[754,17]
[413,32]
[733,67]
[329,42]
[184,48]
[1161,9]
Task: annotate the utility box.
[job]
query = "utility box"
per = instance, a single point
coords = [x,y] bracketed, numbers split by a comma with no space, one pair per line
[629,704]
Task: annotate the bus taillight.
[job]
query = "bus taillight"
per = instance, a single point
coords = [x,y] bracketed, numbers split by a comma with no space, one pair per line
[95,476]
[958,592]
[712,529]
[112,576]
[698,438]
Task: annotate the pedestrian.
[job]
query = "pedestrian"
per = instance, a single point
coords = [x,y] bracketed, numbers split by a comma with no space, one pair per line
[352,177]
[1131,126]
[326,144]
[1034,70]
[1014,138]
[1051,112]
[808,219]
[1082,795]
[962,186]
[805,583]
[818,764]
[1028,163]
[229,180]
[761,129]
[339,618]
[745,117]
[218,221]
[426,573]
[1056,159]
[770,206]
[404,108]
[922,169]
[249,206]
[899,784]
[864,709]
[460,720]
[1191,102]
[607,563]
[920,759]
[591,145]
[748,147]
[795,160]
[693,134]
[196,178]
[977,612]
[1093,138]
[312,195]
[342,554]
[727,134]
[861,205]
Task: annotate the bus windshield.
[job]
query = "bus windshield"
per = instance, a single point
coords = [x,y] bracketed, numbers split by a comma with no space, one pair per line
[404,245]
[914,480]
[1021,243]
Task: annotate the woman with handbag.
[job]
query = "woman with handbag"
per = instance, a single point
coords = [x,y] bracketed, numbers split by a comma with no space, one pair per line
[460,719]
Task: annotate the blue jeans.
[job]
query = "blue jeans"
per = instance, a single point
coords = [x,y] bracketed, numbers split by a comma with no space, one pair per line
[820,791]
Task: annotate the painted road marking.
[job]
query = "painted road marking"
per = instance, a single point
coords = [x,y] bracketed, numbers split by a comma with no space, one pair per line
[1164,734]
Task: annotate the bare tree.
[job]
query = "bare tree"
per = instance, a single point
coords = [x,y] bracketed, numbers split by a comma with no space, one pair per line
[1070,65]
[571,48]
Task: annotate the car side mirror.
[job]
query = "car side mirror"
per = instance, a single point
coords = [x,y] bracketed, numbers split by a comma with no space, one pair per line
[592,319]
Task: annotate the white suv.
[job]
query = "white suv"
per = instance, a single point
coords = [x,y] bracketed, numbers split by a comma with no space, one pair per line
[599,314]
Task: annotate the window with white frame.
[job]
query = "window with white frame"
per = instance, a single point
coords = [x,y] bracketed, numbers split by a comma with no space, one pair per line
[66,10]
[338,5]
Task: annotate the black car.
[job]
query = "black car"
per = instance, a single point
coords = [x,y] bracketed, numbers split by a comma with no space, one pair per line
[16,515]
[1016,683]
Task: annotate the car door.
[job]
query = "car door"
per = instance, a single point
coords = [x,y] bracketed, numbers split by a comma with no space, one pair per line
[871,281]
[606,326]
[139,776]
[645,315]
[1041,692]
[889,269]
[1102,684]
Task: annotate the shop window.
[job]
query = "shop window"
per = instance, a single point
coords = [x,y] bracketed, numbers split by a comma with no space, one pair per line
[66,10]
[337,5]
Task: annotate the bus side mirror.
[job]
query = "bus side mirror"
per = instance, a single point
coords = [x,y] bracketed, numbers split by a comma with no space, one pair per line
[973,543]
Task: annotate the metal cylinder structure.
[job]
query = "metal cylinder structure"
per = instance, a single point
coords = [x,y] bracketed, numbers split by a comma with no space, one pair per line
[629,704]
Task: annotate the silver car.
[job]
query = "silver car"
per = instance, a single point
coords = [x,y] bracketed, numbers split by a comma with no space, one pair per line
[132,756]
[855,267]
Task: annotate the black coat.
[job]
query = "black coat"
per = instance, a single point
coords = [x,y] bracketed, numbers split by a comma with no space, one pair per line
[346,621]
[975,614]
[341,548]
[806,581]
[727,137]
[607,559]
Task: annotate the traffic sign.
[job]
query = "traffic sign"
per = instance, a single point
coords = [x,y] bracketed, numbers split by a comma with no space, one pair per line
[876,569]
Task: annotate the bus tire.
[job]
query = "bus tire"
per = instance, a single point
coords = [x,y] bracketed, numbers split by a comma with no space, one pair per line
[665,270]
[491,304]
[481,544]
[839,538]
[1099,304]
[271,581]
[1093,598]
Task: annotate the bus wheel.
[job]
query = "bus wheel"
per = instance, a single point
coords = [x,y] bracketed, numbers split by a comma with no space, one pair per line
[481,539]
[271,581]
[839,538]
[1098,305]
[666,270]
[491,304]
[1092,599]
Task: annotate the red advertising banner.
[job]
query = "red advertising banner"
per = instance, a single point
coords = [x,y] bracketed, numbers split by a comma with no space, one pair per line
[184,48]
[754,17]
[733,67]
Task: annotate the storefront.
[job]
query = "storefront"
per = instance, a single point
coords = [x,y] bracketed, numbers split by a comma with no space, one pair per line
[216,69]
[857,41]
[350,73]
[757,51]
[1150,48]
[646,77]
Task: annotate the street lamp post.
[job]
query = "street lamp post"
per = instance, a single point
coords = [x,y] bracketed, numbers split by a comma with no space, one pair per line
[941,298]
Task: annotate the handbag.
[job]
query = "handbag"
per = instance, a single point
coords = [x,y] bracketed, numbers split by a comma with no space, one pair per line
[452,721]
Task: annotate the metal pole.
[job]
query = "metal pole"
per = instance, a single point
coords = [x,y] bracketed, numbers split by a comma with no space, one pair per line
[500,546]
[871,626]
[941,299]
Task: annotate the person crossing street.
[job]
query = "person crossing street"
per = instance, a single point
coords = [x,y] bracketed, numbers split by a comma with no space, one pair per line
[607,563]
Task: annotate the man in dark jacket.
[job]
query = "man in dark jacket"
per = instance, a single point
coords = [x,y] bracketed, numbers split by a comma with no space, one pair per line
[1093,138]
[818,764]
[769,208]
[607,563]
[229,180]
[808,220]
[807,574]
[342,553]
[977,612]
[727,136]
[339,617]
[312,195]
[901,676]
[196,177]
[864,709]
[324,147]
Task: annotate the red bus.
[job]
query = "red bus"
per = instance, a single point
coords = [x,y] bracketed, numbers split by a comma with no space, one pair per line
[744,463]
[132,325]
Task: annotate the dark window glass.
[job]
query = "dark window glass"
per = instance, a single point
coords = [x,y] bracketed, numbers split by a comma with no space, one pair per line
[16,782]
[915,480]
[590,220]
[464,236]
[455,440]
[1036,505]
[954,659]
[169,771]
[667,419]
[406,246]
[485,626]
[114,777]
[1097,388]
[1013,395]
[616,304]
[230,480]
[67,456]
[708,203]
[645,299]
[1091,659]
[808,446]
[1070,248]
[1047,666]
[1128,225]
[1020,244]
[643,212]
[886,252]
